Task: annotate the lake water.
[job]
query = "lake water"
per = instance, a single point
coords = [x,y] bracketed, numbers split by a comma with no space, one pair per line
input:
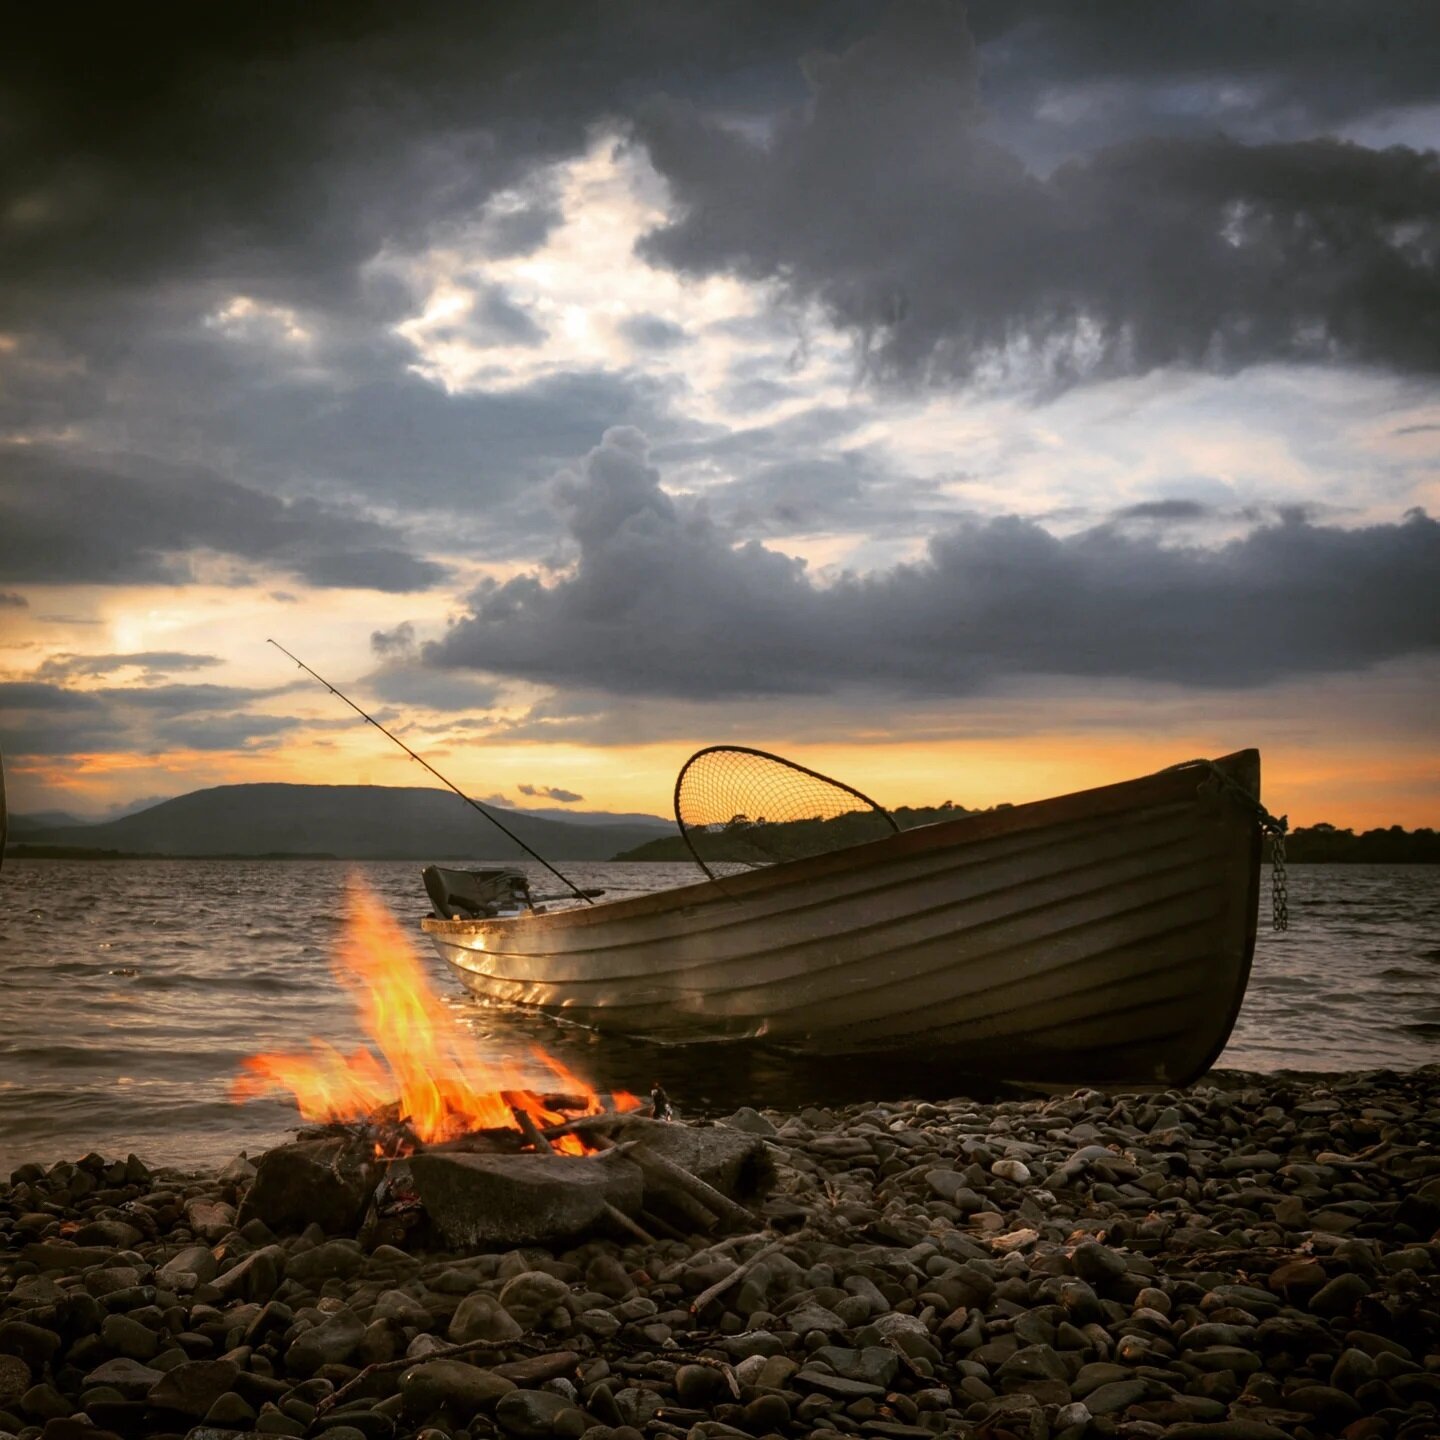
[130,991]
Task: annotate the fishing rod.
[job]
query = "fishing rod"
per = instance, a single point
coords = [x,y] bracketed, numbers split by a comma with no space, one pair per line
[473,804]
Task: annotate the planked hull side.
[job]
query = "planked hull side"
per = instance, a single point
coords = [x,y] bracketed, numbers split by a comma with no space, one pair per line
[1102,937]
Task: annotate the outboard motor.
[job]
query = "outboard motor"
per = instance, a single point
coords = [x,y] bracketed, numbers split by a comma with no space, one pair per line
[477,894]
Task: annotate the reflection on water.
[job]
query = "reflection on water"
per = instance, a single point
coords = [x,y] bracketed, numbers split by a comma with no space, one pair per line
[130,991]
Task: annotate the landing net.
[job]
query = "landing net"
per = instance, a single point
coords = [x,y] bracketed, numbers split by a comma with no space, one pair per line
[737,805]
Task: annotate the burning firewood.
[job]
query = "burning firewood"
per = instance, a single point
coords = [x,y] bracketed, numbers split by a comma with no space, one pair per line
[429,1083]
[506,1186]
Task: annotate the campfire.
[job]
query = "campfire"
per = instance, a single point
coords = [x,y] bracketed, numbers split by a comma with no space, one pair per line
[429,1084]
[424,1130]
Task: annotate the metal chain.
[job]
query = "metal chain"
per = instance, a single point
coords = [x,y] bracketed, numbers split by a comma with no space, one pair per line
[1272,826]
[1279,882]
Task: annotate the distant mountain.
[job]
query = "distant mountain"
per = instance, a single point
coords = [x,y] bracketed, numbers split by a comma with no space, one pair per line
[361,822]
[599,817]
[22,827]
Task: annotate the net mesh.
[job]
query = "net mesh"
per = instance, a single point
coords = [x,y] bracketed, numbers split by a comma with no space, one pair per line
[740,806]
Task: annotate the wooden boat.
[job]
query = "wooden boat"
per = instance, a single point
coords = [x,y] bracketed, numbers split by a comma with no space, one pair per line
[1100,937]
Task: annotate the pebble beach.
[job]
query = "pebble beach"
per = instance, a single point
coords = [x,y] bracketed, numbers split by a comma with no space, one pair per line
[1252,1258]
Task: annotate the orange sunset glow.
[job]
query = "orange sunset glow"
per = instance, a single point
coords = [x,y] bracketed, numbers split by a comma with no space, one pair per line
[1346,776]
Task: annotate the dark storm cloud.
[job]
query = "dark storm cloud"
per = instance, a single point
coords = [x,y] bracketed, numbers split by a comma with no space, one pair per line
[373,568]
[180,699]
[403,439]
[799,495]
[272,156]
[802,433]
[393,643]
[39,718]
[344,416]
[493,320]
[550,792]
[650,332]
[1273,65]
[31,695]
[225,732]
[288,120]
[509,232]
[788,478]
[152,663]
[959,261]
[1164,510]
[405,682]
[65,521]
[279,148]
[299,139]
[153,174]
[755,393]
[850,493]
[662,603]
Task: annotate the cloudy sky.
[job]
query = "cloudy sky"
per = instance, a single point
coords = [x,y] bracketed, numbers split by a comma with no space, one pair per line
[973,402]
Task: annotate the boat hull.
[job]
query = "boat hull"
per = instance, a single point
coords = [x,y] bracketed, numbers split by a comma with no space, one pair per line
[1101,937]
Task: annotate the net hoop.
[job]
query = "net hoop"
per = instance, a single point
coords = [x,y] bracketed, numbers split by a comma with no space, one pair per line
[688,827]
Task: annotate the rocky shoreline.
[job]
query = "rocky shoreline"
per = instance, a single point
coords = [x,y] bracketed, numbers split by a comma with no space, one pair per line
[1254,1258]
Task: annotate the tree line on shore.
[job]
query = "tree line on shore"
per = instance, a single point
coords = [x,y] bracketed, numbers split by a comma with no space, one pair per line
[1319,844]
[1324,844]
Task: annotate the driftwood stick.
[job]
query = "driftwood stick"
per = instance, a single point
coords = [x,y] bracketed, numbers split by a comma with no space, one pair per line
[531,1131]
[626,1223]
[481,1142]
[906,1363]
[582,1123]
[660,1225]
[722,1250]
[730,1245]
[701,1220]
[405,1362]
[739,1273]
[690,1208]
[693,1185]
[723,1367]
[600,1144]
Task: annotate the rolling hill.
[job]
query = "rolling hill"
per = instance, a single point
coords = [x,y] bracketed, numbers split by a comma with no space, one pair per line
[360,822]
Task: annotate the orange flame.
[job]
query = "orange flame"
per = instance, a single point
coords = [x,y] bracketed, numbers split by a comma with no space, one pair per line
[431,1070]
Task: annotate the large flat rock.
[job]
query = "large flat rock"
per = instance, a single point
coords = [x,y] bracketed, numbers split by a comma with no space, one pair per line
[736,1163]
[480,1200]
[328,1182]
